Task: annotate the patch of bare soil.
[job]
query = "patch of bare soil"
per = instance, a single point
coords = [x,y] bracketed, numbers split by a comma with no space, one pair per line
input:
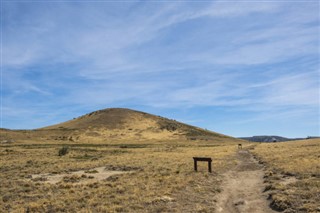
[288,180]
[78,177]
[243,188]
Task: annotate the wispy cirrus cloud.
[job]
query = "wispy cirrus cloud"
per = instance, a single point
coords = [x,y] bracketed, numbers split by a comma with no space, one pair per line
[93,38]
[155,55]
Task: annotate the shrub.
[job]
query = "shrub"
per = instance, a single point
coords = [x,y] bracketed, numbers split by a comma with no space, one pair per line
[63,151]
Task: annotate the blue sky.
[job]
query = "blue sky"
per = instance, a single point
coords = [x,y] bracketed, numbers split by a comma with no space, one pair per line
[240,68]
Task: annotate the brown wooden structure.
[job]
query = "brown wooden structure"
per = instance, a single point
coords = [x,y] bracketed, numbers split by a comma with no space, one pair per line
[239,146]
[196,159]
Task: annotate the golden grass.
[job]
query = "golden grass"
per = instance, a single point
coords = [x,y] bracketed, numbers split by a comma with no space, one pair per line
[293,173]
[163,177]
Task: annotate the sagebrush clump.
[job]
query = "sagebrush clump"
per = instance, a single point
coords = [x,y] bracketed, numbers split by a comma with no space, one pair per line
[63,151]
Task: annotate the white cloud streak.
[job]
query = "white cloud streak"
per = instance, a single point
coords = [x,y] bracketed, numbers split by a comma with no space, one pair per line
[142,57]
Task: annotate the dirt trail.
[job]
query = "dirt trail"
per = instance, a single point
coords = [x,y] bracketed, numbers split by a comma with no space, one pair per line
[243,188]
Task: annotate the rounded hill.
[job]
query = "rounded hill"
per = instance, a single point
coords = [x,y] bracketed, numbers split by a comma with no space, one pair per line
[122,123]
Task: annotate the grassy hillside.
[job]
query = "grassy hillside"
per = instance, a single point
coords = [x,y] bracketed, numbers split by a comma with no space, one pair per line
[154,154]
[152,157]
[116,124]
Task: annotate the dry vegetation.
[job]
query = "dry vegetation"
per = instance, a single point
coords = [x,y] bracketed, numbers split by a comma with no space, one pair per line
[162,179]
[150,158]
[293,172]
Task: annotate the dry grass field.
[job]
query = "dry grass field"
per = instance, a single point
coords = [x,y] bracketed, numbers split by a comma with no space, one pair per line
[293,174]
[161,176]
[119,160]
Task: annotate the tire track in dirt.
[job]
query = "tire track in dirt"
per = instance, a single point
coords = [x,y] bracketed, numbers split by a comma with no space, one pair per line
[243,188]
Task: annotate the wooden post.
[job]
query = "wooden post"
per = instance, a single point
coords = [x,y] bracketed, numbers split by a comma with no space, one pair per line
[196,159]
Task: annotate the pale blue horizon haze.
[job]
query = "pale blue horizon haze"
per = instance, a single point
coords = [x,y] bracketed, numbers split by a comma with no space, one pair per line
[240,68]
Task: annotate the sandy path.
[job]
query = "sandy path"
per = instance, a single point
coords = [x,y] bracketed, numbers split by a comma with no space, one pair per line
[243,188]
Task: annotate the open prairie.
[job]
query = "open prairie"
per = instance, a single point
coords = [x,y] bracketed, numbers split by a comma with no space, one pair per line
[107,162]
[152,177]
[293,174]
[157,177]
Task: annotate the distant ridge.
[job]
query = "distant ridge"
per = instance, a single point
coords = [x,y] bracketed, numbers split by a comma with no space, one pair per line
[270,138]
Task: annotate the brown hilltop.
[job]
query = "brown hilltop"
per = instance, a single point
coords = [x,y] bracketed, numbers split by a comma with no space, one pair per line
[111,118]
[122,124]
